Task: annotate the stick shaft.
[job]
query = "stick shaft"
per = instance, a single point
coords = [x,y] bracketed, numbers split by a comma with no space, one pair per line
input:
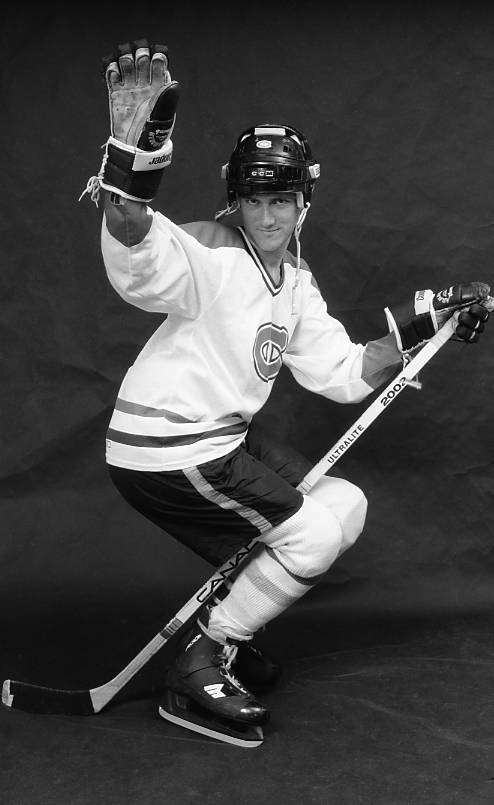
[41,699]
[376,408]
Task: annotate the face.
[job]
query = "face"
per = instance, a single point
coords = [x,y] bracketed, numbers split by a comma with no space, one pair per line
[269,220]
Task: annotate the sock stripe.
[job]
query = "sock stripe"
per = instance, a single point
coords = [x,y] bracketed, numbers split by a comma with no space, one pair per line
[261,591]
[269,588]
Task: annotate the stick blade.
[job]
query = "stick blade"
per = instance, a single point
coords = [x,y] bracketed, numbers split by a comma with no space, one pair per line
[38,699]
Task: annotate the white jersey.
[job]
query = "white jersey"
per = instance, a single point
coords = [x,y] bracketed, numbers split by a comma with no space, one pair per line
[210,366]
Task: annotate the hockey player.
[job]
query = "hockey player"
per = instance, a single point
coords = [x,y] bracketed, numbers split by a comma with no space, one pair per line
[238,305]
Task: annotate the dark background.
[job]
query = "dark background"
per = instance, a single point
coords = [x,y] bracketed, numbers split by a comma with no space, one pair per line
[397,102]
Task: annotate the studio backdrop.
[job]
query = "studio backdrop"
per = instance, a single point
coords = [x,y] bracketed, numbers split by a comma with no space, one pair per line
[397,102]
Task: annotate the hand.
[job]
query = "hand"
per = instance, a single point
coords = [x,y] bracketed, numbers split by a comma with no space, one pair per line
[142,96]
[143,101]
[471,321]
[413,324]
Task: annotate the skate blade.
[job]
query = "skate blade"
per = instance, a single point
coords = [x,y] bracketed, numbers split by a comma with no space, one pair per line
[183,712]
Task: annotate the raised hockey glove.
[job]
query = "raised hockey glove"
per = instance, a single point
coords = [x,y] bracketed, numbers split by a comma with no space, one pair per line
[415,322]
[142,102]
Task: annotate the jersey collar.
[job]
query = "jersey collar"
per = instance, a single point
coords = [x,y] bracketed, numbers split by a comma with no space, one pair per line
[273,287]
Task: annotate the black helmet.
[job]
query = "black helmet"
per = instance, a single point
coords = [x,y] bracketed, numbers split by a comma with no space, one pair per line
[270,158]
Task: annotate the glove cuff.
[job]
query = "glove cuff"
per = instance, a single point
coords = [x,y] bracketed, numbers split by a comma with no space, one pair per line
[131,172]
[413,324]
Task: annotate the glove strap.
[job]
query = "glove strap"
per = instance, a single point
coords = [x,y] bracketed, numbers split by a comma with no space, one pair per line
[129,171]
[413,325]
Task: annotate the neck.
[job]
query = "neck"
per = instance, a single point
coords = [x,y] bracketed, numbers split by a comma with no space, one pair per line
[272,266]
[272,261]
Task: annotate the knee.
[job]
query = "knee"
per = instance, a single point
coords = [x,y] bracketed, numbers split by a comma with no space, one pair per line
[353,520]
[307,543]
[348,504]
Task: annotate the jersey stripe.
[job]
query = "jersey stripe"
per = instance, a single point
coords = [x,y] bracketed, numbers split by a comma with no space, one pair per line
[141,440]
[144,410]
[199,482]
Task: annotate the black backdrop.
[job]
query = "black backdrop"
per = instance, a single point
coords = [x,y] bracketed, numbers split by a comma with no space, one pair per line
[397,102]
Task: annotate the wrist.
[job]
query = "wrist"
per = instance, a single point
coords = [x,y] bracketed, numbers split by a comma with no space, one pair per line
[131,172]
[413,322]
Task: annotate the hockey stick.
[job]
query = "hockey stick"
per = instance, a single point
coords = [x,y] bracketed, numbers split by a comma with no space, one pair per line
[40,699]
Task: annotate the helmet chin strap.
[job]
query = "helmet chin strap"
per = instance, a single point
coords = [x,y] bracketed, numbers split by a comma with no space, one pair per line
[296,233]
[229,209]
[301,218]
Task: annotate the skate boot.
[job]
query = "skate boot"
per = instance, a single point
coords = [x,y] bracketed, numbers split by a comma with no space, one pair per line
[258,672]
[203,695]
[255,669]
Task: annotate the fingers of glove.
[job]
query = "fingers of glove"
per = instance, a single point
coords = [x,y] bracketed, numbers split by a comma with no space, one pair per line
[471,323]
[159,69]
[458,296]
[130,64]
[127,64]
[161,49]
[488,303]
[112,75]
[142,63]
[106,61]
[471,292]
[473,314]
[465,333]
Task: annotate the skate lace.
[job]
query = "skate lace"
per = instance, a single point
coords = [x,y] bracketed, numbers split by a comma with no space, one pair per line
[228,656]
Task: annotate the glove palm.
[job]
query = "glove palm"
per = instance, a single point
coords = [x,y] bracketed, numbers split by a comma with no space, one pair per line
[142,96]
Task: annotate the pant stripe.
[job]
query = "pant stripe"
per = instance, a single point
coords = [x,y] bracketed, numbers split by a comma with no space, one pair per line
[210,493]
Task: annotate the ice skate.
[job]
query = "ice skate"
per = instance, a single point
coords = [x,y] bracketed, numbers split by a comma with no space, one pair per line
[254,668]
[258,672]
[203,695]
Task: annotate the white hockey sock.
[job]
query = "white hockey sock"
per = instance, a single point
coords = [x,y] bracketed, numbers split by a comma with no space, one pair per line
[263,590]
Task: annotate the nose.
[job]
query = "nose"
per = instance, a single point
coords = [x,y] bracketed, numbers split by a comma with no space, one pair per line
[267,218]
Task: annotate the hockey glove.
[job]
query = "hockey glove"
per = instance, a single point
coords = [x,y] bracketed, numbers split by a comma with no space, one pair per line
[142,102]
[414,323]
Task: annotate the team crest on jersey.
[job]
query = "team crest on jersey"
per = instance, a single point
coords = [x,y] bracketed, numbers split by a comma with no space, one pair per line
[269,346]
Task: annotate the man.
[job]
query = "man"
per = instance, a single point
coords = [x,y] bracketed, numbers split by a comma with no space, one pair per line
[238,305]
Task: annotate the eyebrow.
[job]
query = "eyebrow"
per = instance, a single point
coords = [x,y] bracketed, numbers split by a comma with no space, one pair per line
[273,197]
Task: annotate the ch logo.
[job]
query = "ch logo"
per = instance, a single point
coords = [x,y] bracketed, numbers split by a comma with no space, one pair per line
[269,346]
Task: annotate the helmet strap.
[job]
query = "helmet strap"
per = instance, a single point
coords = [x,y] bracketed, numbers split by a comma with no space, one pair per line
[301,218]
[296,233]
[229,209]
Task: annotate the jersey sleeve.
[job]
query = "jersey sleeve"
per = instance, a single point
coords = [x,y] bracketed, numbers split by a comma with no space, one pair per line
[169,271]
[323,359]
